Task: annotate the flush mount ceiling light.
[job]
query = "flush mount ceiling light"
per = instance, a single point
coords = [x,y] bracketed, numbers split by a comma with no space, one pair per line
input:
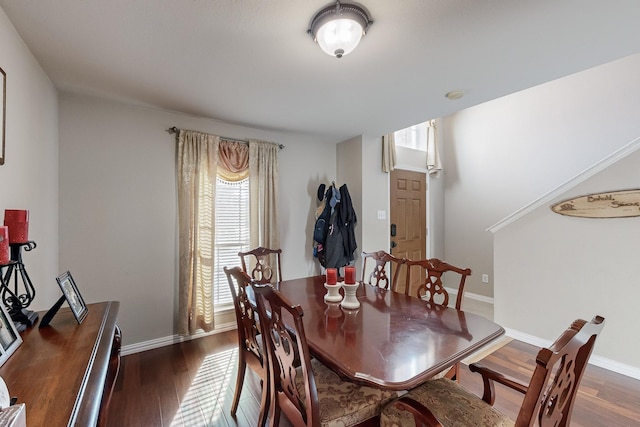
[339,27]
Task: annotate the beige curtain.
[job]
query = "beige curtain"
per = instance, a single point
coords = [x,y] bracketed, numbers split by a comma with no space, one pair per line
[263,194]
[197,159]
[433,157]
[388,153]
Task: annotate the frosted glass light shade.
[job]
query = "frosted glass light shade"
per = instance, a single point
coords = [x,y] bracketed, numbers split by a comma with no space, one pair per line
[339,37]
[338,28]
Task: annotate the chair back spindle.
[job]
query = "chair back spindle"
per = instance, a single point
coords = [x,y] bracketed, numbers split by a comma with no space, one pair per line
[559,369]
[379,276]
[249,351]
[262,264]
[284,343]
[432,287]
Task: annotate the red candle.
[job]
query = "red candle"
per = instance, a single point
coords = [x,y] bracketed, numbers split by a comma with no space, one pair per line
[18,222]
[349,275]
[16,215]
[4,245]
[332,276]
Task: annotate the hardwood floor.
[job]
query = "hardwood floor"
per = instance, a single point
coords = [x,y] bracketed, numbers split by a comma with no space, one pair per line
[192,384]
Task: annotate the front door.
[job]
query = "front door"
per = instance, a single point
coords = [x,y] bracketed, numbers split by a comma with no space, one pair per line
[409,220]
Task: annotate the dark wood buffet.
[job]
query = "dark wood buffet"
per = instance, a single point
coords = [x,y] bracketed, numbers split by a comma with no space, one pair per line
[65,372]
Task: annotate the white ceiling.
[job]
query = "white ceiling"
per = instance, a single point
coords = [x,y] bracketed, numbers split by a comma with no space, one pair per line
[251,62]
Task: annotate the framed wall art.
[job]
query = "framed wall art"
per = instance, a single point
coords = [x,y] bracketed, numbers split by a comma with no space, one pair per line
[3,113]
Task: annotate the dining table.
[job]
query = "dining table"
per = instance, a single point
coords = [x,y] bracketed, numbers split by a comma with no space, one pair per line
[391,341]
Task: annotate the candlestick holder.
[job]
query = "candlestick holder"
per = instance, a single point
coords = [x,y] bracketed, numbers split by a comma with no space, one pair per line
[350,300]
[333,292]
[15,299]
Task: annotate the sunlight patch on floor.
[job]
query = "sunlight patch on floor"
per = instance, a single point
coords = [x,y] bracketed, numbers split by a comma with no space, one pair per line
[206,394]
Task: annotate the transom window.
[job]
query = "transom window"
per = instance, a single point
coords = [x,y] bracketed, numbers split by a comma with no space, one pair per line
[412,137]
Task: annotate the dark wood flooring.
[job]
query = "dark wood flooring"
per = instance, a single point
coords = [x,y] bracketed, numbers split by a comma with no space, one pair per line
[192,384]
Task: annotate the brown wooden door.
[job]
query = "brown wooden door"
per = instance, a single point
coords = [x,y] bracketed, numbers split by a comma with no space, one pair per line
[409,214]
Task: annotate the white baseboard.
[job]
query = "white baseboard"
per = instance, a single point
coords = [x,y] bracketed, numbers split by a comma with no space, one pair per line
[470,295]
[173,339]
[602,362]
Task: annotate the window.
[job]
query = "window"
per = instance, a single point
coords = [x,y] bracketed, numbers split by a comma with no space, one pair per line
[232,233]
[412,137]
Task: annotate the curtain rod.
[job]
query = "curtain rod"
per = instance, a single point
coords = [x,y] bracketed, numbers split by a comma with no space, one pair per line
[175,130]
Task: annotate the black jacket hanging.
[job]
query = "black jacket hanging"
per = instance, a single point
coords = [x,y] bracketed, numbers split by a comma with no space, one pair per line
[334,229]
[348,223]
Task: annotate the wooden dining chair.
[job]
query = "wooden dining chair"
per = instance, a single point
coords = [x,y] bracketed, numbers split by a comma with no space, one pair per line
[431,289]
[548,398]
[310,394]
[249,351]
[264,264]
[378,276]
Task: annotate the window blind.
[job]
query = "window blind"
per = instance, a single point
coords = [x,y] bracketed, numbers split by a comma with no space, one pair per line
[232,233]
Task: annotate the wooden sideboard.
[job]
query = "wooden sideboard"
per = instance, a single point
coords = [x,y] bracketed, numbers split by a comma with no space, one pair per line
[65,372]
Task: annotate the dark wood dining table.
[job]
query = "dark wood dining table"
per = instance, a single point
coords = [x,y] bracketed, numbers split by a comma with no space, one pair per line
[391,341]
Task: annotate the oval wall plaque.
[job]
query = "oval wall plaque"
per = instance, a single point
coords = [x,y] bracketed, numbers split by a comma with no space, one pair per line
[612,204]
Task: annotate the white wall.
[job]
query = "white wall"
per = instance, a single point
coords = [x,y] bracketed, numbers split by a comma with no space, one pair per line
[118,205]
[375,197]
[501,155]
[552,269]
[29,177]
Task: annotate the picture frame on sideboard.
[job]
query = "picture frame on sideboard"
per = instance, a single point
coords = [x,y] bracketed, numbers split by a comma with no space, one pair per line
[73,296]
[10,339]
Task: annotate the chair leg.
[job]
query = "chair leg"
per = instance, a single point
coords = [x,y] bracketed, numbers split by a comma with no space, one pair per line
[264,404]
[454,373]
[242,367]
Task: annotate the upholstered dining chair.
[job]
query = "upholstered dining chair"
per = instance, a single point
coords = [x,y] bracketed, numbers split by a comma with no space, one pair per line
[378,276]
[432,289]
[250,352]
[262,264]
[310,394]
[548,398]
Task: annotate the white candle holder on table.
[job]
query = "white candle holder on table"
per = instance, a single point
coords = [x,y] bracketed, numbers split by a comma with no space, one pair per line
[333,292]
[350,300]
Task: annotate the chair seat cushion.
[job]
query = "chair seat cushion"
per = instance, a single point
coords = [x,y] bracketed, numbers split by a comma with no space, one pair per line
[343,403]
[450,403]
